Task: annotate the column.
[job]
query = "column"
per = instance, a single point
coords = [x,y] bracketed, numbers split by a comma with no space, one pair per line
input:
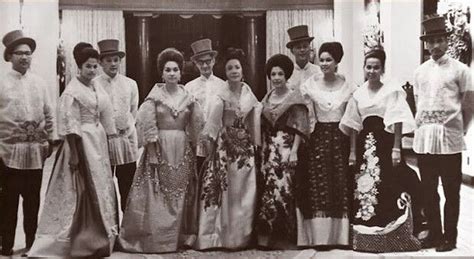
[252,46]
[144,61]
[348,25]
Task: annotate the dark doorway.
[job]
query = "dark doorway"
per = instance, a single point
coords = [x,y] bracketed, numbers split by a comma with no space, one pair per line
[179,31]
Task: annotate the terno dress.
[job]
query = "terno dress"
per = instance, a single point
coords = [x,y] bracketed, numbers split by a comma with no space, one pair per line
[79,216]
[162,204]
[325,197]
[228,191]
[276,222]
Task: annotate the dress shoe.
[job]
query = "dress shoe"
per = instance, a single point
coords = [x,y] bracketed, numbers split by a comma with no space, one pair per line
[429,243]
[446,246]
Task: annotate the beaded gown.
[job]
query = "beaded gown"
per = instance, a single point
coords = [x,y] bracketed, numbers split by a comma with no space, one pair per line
[161,208]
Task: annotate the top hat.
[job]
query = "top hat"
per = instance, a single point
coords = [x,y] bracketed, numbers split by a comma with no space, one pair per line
[15,38]
[297,34]
[434,26]
[109,47]
[202,47]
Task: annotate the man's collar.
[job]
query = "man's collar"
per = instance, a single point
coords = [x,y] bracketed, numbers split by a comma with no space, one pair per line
[442,60]
[304,68]
[17,74]
[109,78]
[203,78]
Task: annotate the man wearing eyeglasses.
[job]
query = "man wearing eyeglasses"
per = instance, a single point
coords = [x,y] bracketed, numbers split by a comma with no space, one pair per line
[206,85]
[26,128]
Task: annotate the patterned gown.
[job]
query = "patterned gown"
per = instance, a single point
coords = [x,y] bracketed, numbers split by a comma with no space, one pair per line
[69,224]
[162,203]
[228,191]
[276,219]
[377,196]
[324,198]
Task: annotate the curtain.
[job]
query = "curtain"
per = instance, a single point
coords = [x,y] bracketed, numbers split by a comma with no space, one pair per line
[90,26]
[320,25]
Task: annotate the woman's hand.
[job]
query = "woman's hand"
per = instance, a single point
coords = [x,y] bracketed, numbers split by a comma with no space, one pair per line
[352,158]
[210,146]
[153,154]
[396,156]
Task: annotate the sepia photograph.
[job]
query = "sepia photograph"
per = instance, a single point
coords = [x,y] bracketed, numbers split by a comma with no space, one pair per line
[236,129]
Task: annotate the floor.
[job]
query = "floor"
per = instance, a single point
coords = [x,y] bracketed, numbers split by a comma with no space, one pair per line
[465,242]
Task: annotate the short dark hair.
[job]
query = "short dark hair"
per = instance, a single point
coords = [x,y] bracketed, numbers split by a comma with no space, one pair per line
[235,53]
[281,61]
[82,52]
[170,54]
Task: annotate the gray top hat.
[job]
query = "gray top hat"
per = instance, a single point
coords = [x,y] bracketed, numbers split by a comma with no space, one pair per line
[202,47]
[15,38]
[297,34]
[434,26]
[109,47]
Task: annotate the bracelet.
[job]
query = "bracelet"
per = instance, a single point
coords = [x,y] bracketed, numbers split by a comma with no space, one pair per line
[395,149]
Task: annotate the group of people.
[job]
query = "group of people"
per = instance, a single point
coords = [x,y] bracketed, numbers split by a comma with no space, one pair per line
[314,163]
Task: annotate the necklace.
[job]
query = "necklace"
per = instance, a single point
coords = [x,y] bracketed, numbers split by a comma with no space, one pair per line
[173,102]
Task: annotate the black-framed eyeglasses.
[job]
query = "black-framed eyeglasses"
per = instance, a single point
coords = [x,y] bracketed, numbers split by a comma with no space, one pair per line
[202,62]
[21,53]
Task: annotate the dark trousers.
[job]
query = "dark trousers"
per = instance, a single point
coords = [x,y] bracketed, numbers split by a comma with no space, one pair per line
[26,183]
[448,167]
[124,175]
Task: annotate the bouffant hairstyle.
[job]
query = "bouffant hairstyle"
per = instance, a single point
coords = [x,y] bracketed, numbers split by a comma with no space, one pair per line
[82,52]
[281,61]
[169,54]
[234,53]
[377,53]
[334,49]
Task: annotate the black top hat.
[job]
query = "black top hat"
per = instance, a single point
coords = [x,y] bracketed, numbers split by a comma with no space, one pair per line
[297,34]
[202,47]
[15,38]
[109,47]
[434,26]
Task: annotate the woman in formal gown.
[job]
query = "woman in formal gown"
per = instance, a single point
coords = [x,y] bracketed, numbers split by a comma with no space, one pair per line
[162,204]
[284,125]
[79,216]
[324,190]
[376,117]
[228,189]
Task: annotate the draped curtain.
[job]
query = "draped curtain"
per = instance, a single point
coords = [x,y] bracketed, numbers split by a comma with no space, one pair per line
[90,26]
[320,25]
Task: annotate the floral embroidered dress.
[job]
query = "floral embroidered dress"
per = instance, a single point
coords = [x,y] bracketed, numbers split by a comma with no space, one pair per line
[86,113]
[228,192]
[162,204]
[276,219]
[26,121]
[324,190]
[376,192]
